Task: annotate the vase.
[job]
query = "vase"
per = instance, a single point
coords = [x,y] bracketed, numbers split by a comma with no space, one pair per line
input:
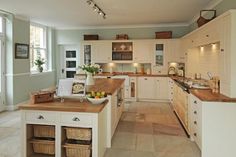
[89,79]
[40,69]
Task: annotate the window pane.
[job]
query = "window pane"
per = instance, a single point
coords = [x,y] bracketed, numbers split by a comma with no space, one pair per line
[37,37]
[38,54]
[1,23]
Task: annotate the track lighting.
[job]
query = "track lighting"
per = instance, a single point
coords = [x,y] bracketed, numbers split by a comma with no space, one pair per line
[96,8]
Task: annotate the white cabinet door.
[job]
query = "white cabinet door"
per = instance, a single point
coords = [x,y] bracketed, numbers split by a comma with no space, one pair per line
[102,52]
[143,51]
[162,88]
[225,60]
[146,88]
[174,52]
[86,52]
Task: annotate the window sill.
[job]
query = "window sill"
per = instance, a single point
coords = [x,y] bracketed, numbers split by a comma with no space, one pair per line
[36,73]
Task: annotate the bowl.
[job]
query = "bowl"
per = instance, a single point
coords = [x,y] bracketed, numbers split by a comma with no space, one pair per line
[96,101]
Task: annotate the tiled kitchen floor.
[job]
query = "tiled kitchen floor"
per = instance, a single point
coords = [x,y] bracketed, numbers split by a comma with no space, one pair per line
[145,130]
[150,130]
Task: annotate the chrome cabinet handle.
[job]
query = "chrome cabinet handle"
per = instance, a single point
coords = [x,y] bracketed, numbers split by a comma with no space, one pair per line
[40,117]
[76,119]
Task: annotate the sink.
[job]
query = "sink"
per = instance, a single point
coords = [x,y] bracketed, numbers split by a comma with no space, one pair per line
[198,86]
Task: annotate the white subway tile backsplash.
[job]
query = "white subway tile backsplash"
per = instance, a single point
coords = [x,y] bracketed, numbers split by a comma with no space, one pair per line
[203,61]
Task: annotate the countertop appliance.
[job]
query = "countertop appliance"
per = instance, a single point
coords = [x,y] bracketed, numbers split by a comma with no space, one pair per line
[175,68]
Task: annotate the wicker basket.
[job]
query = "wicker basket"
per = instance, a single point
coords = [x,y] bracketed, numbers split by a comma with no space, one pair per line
[43,146]
[78,133]
[44,131]
[77,150]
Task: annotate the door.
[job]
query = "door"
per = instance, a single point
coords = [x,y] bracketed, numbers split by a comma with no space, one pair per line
[70,61]
[2,77]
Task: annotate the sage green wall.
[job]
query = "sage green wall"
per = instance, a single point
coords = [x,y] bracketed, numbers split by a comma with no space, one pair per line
[76,36]
[222,7]
[23,81]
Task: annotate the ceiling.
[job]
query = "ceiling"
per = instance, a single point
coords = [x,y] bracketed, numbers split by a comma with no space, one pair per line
[66,14]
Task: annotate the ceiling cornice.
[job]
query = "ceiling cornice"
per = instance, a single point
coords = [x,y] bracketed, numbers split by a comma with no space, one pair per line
[210,5]
[127,26]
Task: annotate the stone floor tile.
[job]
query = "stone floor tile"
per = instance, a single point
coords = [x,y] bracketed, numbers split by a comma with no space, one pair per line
[117,153]
[145,143]
[124,126]
[143,128]
[124,140]
[141,154]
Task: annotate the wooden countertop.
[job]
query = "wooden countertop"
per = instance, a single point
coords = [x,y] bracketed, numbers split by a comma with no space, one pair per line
[130,74]
[207,95]
[107,85]
[69,105]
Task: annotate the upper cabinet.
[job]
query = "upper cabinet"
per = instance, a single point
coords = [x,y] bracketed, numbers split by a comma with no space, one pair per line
[96,52]
[143,51]
[122,51]
[222,30]
[102,53]
[86,52]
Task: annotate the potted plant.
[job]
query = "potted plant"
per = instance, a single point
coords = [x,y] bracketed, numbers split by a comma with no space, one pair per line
[90,70]
[39,62]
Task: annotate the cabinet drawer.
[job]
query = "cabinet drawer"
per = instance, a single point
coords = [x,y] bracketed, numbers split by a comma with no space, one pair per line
[196,135]
[41,117]
[76,119]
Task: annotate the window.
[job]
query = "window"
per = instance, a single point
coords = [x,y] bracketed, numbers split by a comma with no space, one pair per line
[38,46]
[1,24]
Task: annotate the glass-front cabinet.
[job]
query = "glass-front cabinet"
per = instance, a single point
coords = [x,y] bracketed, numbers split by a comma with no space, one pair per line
[87,55]
[159,54]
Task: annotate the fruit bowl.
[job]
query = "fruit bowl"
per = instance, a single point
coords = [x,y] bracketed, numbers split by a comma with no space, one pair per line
[96,101]
[96,97]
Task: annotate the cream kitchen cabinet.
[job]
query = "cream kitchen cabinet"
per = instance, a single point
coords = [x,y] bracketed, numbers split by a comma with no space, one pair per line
[162,88]
[143,51]
[174,52]
[196,120]
[153,88]
[171,90]
[212,127]
[96,52]
[180,105]
[102,52]
[87,51]
[221,29]
[147,88]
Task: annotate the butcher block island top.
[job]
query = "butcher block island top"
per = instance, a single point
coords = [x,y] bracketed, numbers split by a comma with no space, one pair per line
[69,105]
[107,85]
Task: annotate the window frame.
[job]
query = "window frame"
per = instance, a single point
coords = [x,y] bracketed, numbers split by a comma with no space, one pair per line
[3,33]
[45,44]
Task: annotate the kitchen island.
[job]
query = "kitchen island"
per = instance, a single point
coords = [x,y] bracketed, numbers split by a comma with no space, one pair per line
[56,118]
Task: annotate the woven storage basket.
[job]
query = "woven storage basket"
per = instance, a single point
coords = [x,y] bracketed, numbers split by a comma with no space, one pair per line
[44,131]
[78,133]
[43,146]
[77,150]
